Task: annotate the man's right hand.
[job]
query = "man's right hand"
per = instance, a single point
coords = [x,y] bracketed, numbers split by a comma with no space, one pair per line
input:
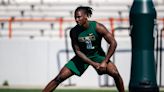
[96,65]
[98,68]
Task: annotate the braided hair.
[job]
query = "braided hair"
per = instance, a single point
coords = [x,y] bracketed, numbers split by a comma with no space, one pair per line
[87,10]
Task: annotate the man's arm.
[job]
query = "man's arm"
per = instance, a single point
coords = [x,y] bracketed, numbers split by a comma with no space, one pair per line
[101,29]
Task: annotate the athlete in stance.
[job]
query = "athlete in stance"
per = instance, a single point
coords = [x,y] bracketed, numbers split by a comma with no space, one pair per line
[86,39]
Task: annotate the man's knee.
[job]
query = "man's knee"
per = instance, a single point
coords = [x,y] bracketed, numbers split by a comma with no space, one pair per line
[101,72]
[58,79]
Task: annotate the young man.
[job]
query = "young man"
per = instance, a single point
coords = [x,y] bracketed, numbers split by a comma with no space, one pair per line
[86,39]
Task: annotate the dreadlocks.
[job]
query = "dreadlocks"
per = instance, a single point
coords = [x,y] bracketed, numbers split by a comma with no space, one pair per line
[87,10]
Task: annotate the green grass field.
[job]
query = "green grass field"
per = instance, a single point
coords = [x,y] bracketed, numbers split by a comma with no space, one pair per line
[58,90]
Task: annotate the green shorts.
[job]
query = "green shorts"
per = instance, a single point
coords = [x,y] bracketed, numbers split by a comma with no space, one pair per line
[78,66]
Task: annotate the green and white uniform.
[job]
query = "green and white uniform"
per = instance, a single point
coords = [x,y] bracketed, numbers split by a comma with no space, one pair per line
[89,42]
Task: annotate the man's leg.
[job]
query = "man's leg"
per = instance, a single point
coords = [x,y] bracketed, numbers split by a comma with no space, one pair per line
[63,75]
[112,71]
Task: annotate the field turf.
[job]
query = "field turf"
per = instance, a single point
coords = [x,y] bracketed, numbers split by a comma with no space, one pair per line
[58,90]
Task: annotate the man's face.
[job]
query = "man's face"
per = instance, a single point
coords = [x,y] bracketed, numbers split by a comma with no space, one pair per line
[80,17]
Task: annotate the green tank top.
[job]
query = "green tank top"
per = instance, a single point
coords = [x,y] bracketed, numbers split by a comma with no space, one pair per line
[89,40]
